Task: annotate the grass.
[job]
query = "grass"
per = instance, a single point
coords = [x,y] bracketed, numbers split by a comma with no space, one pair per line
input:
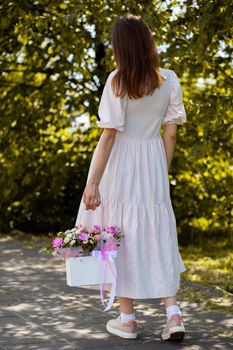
[209,276]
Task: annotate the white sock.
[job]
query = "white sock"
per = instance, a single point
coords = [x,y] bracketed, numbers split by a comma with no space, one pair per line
[171,310]
[127,317]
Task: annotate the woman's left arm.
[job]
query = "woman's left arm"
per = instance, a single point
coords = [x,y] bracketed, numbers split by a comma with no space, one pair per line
[91,195]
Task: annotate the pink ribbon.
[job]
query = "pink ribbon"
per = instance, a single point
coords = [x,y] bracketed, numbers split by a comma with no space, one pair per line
[104,255]
[107,253]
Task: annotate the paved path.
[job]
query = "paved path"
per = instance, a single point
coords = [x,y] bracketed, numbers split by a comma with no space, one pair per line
[40,312]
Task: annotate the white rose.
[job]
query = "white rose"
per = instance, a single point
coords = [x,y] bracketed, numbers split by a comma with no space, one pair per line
[66,240]
[69,236]
[72,242]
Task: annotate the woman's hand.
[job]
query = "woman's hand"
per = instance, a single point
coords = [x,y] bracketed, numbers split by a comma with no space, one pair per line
[91,196]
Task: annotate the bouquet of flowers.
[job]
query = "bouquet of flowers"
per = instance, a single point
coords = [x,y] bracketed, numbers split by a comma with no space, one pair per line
[89,253]
[82,240]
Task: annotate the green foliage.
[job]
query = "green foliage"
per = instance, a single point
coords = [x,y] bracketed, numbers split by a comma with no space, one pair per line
[54,59]
[202,167]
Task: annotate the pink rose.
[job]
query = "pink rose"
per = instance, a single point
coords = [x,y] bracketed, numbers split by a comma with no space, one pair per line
[112,230]
[97,237]
[97,227]
[57,242]
[92,230]
[83,236]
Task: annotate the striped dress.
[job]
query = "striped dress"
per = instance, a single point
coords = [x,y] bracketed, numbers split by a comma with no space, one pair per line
[135,192]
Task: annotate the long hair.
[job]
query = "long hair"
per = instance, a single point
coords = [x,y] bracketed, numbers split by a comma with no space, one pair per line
[136,58]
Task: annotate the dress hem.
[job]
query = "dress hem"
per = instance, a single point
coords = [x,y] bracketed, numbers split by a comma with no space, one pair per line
[164,294]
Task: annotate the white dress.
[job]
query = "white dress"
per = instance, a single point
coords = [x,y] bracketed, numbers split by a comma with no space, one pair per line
[135,192]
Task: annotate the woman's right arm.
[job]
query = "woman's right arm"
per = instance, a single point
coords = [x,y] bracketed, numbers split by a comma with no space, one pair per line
[169,141]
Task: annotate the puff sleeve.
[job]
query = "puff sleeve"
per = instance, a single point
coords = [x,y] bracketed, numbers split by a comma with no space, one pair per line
[175,112]
[111,109]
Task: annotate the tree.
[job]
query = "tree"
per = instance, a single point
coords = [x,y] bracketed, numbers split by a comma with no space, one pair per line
[54,59]
[200,50]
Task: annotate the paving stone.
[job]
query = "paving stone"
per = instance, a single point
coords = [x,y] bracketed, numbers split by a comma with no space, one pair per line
[38,311]
[41,346]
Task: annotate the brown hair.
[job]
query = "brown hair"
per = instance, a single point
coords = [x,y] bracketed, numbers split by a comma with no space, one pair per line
[136,58]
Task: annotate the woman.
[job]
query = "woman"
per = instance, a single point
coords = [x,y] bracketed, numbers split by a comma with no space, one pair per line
[127,183]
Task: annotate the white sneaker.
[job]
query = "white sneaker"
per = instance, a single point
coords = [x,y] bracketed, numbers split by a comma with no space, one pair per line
[174,329]
[127,330]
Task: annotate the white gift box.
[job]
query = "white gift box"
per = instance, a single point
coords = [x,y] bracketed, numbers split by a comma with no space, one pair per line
[89,270]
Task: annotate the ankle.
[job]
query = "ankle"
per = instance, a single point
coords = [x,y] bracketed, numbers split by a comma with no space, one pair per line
[172,310]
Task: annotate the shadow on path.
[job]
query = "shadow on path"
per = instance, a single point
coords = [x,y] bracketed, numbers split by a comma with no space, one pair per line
[40,312]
